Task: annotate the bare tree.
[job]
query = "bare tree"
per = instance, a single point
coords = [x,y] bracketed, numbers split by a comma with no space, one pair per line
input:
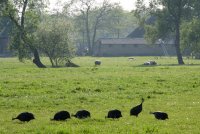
[92,15]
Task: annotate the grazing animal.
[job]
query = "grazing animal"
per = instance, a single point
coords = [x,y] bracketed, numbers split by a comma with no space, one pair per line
[82,114]
[160,115]
[131,58]
[137,109]
[25,116]
[114,114]
[151,62]
[61,115]
[97,62]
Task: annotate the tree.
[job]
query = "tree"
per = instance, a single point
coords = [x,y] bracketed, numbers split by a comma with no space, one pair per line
[195,6]
[3,6]
[118,23]
[190,36]
[170,14]
[54,39]
[190,30]
[2,18]
[92,17]
[25,15]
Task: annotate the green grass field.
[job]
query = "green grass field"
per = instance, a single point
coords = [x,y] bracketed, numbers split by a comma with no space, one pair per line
[117,84]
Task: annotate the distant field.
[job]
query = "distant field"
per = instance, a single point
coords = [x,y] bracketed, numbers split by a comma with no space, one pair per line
[117,84]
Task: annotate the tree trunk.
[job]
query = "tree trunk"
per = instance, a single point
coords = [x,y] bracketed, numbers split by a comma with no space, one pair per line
[56,60]
[36,59]
[94,37]
[88,32]
[52,64]
[50,58]
[177,45]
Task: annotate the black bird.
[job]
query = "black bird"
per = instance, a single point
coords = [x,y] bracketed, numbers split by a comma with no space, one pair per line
[114,114]
[160,115]
[25,116]
[82,114]
[136,110]
[61,115]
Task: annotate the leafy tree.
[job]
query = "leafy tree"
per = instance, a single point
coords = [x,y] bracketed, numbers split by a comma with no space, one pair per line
[25,14]
[190,36]
[3,6]
[170,14]
[3,24]
[92,16]
[118,23]
[195,6]
[54,39]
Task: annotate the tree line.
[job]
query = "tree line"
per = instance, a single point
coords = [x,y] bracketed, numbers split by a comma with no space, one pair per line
[36,31]
[58,35]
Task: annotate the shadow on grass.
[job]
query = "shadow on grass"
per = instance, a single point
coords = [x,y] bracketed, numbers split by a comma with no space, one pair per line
[168,65]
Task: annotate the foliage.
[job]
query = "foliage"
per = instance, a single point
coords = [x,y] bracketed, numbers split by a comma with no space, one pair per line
[24,14]
[117,24]
[117,84]
[141,12]
[162,28]
[24,46]
[91,17]
[3,6]
[190,38]
[151,34]
[54,39]
[169,15]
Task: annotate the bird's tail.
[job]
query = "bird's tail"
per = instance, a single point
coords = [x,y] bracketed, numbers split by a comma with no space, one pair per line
[14,118]
[151,112]
[51,119]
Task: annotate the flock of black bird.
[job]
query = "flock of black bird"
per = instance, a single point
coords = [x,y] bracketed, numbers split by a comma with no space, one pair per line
[82,114]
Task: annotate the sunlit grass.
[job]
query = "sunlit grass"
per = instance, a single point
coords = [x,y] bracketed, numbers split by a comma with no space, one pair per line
[119,83]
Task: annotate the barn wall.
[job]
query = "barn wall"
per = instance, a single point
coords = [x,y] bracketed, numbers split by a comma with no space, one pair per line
[133,50]
[3,44]
[4,51]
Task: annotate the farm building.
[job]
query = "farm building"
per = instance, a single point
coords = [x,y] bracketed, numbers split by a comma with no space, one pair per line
[139,31]
[134,45]
[4,46]
[131,47]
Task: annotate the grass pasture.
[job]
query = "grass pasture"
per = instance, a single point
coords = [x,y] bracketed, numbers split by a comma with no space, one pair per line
[117,84]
